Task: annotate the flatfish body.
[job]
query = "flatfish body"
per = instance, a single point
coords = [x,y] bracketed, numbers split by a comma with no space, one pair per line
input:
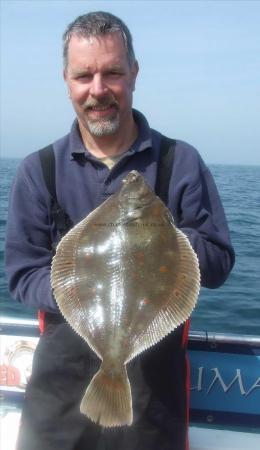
[123,278]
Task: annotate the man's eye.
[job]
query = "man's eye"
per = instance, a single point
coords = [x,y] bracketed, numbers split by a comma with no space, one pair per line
[113,74]
[84,77]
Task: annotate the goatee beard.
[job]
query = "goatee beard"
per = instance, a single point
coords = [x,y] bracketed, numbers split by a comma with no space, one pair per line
[102,126]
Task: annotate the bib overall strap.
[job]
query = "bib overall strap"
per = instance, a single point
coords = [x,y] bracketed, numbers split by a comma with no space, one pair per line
[165,166]
[60,217]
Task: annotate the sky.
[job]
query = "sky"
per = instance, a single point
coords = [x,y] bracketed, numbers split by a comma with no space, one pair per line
[199,78]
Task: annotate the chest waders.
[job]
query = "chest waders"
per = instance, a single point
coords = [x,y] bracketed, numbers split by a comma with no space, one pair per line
[64,365]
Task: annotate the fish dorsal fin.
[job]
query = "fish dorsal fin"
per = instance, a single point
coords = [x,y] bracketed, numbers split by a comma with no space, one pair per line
[181,302]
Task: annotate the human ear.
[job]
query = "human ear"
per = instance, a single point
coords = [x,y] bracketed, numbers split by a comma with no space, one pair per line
[135,70]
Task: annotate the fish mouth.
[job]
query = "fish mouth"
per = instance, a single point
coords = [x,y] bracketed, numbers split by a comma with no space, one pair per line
[131,177]
[135,190]
[132,184]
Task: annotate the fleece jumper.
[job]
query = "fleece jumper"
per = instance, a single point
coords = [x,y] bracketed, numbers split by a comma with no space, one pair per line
[63,365]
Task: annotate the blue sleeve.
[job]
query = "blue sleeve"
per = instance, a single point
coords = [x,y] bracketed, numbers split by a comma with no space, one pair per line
[199,213]
[28,251]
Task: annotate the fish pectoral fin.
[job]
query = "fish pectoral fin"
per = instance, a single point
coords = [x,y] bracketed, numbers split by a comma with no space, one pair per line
[108,400]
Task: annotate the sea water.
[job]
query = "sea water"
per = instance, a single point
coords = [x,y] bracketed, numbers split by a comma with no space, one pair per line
[232,308]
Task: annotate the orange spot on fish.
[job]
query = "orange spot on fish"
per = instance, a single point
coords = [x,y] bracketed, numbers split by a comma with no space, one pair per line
[146,301]
[176,293]
[163,269]
[140,258]
[156,211]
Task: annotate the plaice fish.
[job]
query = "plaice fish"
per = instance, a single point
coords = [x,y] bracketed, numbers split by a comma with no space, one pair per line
[123,278]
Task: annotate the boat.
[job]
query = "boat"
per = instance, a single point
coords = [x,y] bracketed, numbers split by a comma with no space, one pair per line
[224,390]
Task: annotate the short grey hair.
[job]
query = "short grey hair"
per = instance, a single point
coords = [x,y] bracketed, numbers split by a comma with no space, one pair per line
[97,24]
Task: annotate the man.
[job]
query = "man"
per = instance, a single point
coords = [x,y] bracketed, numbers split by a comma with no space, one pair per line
[107,140]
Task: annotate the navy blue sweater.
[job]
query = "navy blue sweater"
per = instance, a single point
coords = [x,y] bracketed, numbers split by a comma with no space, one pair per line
[83,183]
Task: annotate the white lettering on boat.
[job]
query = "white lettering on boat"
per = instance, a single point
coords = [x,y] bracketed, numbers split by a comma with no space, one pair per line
[218,379]
[225,387]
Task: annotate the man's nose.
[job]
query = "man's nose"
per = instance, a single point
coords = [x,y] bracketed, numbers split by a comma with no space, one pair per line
[98,86]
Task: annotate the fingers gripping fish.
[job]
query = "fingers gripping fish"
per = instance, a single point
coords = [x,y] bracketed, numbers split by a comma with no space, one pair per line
[123,278]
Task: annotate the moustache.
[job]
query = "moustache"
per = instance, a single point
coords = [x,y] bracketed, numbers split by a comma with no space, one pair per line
[104,102]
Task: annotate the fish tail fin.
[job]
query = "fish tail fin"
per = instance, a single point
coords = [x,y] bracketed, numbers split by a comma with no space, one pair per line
[108,399]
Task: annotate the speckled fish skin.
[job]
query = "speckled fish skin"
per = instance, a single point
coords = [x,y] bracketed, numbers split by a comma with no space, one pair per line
[123,278]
